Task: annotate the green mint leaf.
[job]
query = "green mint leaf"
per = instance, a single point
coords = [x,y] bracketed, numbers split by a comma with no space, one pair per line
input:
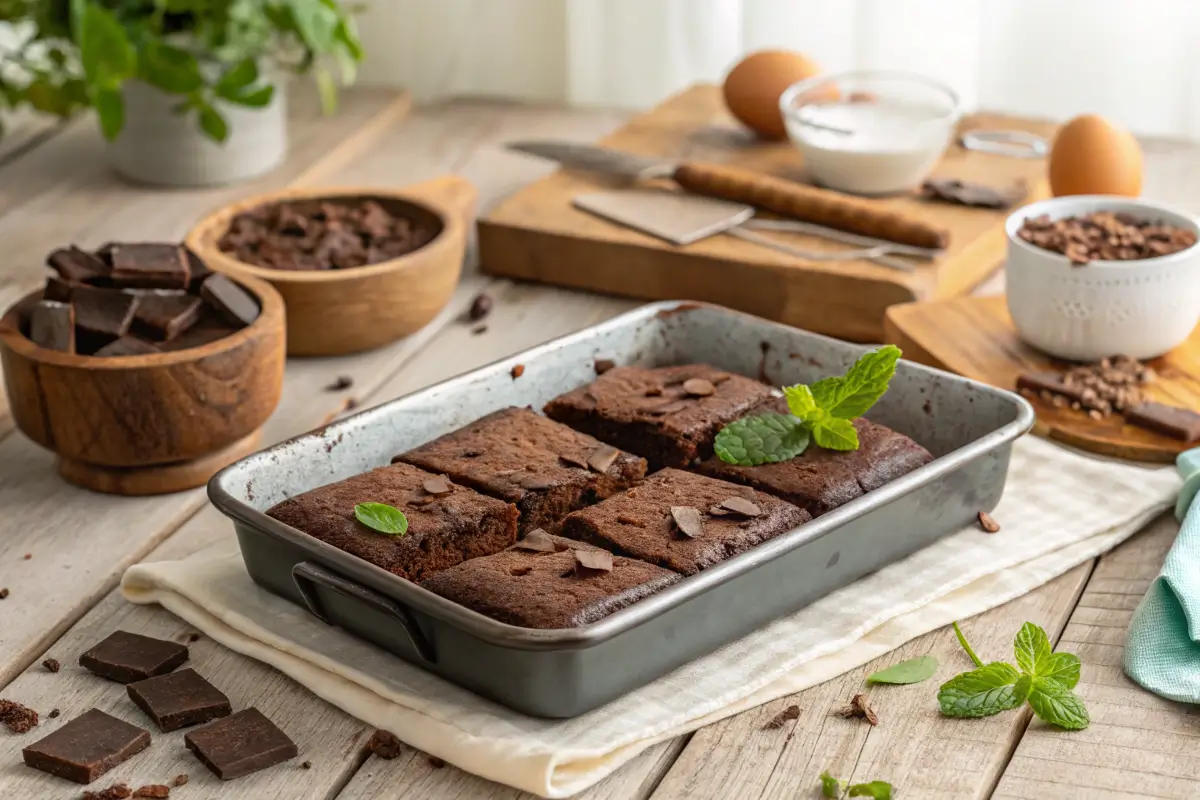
[800,401]
[830,786]
[1032,649]
[880,790]
[762,439]
[1058,706]
[913,670]
[1062,670]
[382,517]
[850,396]
[835,434]
[983,692]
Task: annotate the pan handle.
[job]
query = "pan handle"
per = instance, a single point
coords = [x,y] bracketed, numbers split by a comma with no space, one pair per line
[308,576]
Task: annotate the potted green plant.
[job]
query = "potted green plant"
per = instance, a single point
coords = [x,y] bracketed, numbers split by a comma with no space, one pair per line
[187,92]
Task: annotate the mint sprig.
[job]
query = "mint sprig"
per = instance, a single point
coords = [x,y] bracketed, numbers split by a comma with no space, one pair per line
[822,412]
[1042,678]
[833,788]
[382,517]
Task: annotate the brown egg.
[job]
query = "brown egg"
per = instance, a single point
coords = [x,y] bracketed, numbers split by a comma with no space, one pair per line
[1091,155]
[753,87]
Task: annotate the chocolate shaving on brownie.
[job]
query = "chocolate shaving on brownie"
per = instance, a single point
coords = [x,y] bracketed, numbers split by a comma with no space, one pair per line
[740,505]
[859,708]
[16,717]
[988,524]
[385,745]
[977,195]
[699,387]
[602,458]
[438,485]
[688,520]
[538,541]
[591,561]
[574,461]
[782,718]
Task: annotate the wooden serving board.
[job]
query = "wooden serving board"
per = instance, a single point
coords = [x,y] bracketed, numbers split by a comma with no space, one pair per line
[537,234]
[974,337]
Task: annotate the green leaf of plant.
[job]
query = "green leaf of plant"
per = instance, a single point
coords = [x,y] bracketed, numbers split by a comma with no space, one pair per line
[830,786]
[382,517]
[914,670]
[258,98]
[237,77]
[48,98]
[316,23]
[212,123]
[862,385]
[110,110]
[880,790]
[169,68]
[835,434]
[800,401]
[1062,670]
[105,51]
[761,439]
[1032,649]
[1058,706]
[983,692]
[327,89]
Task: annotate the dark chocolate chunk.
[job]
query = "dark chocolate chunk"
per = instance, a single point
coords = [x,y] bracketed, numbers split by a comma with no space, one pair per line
[86,747]
[341,383]
[233,303]
[127,657]
[1178,423]
[58,289]
[150,265]
[164,316]
[965,193]
[126,346]
[1049,382]
[101,315]
[240,744]
[197,270]
[77,266]
[179,699]
[52,326]
[385,745]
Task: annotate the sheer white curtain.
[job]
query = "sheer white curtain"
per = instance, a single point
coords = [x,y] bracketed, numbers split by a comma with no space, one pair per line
[1134,60]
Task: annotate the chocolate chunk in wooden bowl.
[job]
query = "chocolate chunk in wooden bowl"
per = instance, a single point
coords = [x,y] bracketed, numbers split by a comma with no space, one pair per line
[164,316]
[52,326]
[76,265]
[126,346]
[231,302]
[150,265]
[101,316]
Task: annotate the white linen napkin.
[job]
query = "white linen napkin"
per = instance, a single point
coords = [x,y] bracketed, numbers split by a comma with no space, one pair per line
[1060,509]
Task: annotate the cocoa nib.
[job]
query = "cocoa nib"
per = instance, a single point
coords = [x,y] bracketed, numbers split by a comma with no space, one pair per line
[481,306]
[782,718]
[1105,236]
[385,745]
[859,708]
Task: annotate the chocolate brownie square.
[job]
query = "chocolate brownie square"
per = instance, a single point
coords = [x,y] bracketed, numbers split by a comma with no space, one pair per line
[820,480]
[544,467]
[651,522]
[548,588]
[669,415]
[447,524]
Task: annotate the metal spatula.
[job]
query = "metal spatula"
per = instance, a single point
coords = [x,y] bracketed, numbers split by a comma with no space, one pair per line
[682,219]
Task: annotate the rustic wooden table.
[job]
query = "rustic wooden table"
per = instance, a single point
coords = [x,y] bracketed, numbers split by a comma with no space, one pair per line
[62,549]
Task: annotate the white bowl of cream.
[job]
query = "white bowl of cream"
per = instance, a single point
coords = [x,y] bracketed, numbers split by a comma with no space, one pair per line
[870,133]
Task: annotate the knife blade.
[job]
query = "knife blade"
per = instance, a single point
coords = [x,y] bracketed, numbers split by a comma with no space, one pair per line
[784,197]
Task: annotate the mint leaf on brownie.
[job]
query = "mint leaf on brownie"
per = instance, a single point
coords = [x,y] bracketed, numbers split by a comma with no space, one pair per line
[382,517]
[761,439]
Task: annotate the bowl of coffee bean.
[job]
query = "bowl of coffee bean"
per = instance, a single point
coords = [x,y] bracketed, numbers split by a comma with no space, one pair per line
[1092,275]
[144,371]
[358,268]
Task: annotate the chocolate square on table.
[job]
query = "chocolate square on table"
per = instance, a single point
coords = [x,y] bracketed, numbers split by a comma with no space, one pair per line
[101,316]
[179,699]
[86,747]
[76,265]
[52,326]
[164,316]
[127,657]
[240,744]
[149,265]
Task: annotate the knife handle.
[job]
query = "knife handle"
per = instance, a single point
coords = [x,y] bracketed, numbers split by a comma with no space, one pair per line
[808,203]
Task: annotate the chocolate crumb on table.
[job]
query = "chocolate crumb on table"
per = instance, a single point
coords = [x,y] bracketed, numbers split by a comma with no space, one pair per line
[859,708]
[154,790]
[54,712]
[1105,236]
[385,745]
[86,747]
[479,329]
[782,718]
[518,371]
[987,523]
[481,306]
[3,594]
[118,791]
[342,382]
[16,717]
[306,765]
[193,637]
[179,780]
[52,665]
[436,762]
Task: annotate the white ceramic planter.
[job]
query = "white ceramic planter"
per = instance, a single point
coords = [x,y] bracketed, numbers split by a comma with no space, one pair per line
[160,147]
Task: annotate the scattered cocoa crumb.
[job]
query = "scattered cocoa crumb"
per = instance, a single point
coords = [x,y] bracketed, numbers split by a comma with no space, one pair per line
[118,791]
[481,306]
[306,765]
[625,519]
[342,382]
[16,717]
[156,790]
[28,556]
[179,780]
[988,524]
[3,594]
[478,329]
[54,712]
[859,708]
[193,637]
[518,371]
[385,745]
[351,404]
[603,365]
[1105,236]
[52,664]
[436,762]
[782,718]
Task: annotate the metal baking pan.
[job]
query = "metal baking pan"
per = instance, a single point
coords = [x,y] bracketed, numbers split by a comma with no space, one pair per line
[968,426]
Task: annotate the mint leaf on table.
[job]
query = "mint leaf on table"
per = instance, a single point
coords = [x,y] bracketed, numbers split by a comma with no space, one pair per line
[914,670]
[382,517]
[762,439]
[984,692]
[880,790]
[1058,706]
[1063,669]
[831,786]
[1032,649]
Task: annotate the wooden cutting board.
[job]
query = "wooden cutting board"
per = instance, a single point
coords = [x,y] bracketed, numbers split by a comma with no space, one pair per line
[538,235]
[974,337]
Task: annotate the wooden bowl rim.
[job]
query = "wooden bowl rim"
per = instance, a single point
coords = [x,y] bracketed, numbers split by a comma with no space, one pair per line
[218,220]
[271,314]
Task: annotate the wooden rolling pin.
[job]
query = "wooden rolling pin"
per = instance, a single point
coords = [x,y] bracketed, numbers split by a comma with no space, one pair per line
[808,203]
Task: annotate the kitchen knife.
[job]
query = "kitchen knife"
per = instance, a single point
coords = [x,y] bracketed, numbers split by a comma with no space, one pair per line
[781,196]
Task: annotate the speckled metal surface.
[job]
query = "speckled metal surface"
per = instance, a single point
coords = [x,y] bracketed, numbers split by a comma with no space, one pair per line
[968,426]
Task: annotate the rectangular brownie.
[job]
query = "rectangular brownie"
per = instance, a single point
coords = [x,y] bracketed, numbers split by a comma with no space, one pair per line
[544,467]
[648,522]
[820,480]
[547,588]
[668,415]
[444,529]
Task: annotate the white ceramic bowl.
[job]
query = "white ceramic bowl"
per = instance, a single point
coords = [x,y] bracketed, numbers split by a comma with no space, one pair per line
[1138,308]
[899,125]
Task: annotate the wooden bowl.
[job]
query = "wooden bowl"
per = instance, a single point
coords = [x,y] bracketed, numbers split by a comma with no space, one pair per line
[339,311]
[147,424]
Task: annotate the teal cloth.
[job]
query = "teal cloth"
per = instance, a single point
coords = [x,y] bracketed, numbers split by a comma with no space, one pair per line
[1162,648]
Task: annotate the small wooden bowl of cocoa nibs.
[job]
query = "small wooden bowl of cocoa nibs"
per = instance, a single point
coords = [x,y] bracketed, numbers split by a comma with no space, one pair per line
[1092,275]
[358,268]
